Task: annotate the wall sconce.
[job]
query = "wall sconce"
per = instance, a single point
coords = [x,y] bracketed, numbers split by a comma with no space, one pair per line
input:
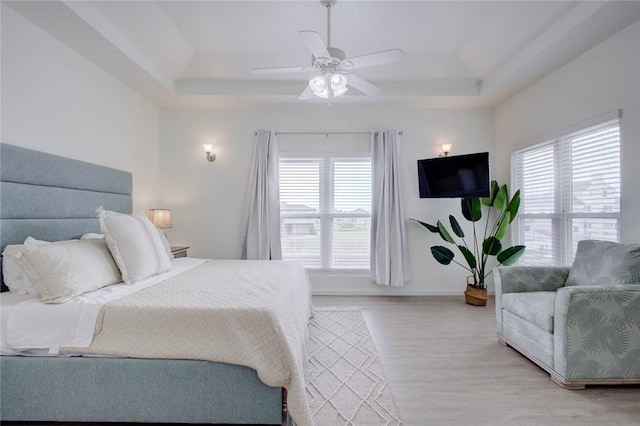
[161,218]
[208,149]
[446,149]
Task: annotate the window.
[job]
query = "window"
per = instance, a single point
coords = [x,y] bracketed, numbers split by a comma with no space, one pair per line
[325,210]
[570,188]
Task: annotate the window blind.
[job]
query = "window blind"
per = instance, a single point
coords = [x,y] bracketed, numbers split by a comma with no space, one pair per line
[325,209]
[300,211]
[570,189]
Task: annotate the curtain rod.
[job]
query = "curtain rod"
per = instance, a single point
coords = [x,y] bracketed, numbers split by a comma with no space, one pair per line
[324,133]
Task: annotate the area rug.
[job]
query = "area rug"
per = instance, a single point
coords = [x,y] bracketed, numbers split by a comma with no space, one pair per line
[344,378]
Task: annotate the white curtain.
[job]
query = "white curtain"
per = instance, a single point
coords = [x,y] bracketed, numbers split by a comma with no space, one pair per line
[389,254]
[261,238]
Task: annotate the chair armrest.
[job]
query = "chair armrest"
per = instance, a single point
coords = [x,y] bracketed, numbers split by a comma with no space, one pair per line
[520,279]
[597,332]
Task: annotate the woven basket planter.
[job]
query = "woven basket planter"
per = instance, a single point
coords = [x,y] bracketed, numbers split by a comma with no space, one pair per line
[474,296]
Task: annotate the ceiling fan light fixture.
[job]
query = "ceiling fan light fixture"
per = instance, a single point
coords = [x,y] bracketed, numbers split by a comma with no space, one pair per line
[337,79]
[333,65]
[326,85]
[318,85]
[338,84]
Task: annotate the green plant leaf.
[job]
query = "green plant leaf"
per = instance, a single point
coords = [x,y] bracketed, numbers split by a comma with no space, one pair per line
[491,246]
[509,256]
[442,254]
[502,199]
[456,226]
[469,257]
[514,205]
[431,228]
[488,201]
[471,209]
[505,220]
[444,233]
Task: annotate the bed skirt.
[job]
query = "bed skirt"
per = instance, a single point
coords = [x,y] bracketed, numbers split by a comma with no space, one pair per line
[86,389]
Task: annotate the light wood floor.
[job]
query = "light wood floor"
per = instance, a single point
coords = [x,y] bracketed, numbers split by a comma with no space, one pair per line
[446,367]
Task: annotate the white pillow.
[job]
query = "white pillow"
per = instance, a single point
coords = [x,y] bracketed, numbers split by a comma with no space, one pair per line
[33,242]
[12,274]
[92,236]
[135,245]
[165,243]
[62,270]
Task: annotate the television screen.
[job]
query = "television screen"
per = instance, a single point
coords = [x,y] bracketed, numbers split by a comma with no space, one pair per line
[454,177]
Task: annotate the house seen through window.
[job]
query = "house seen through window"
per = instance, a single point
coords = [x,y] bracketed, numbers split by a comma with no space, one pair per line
[570,192]
[325,211]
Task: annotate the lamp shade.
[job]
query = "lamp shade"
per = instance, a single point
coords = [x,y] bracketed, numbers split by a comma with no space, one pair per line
[338,84]
[161,218]
[328,85]
[318,85]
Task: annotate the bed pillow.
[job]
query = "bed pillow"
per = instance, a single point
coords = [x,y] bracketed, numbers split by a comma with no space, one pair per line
[165,243]
[33,242]
[135,245]
[62,270]
[605,263]
[92,236]
[13,275]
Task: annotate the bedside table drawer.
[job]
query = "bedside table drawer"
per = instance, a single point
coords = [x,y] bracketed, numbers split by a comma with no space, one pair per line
[179,251]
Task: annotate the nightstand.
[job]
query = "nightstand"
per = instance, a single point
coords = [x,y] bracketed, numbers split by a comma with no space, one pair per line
[179,251]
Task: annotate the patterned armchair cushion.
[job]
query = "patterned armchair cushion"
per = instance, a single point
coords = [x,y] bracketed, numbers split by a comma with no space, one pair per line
[536,307]
[605,263]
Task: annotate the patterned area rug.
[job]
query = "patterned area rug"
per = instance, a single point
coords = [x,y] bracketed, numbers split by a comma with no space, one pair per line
[344,378]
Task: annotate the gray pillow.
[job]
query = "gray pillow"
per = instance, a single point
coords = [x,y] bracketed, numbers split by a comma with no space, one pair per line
[605,263]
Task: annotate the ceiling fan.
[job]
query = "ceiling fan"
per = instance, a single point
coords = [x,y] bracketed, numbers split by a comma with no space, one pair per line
[332,67]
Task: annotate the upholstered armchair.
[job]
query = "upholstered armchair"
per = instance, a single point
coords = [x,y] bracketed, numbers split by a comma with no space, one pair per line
[581,323]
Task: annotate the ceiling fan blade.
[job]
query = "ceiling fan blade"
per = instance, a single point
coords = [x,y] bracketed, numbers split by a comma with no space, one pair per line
[281,69]
[306,94]
[378,58]
[314,42]
[363,85]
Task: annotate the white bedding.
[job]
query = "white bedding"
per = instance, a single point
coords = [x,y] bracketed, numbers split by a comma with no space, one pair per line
[243,312]
[251,313]
[8,302]
[33,328]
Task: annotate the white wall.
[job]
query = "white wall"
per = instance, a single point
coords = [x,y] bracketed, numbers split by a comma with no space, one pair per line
[56,101]
[604,79]
[208,198]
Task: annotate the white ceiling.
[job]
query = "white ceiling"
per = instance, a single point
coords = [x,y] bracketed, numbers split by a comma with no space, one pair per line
[458,53]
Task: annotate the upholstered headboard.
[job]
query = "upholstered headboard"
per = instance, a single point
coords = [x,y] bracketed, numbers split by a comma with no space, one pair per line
[54,198]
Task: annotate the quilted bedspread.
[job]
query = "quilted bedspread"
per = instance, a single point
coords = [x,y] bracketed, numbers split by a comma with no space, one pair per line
[250,313]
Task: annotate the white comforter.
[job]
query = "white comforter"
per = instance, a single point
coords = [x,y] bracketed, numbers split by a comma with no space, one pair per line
[31,327]
[251,313]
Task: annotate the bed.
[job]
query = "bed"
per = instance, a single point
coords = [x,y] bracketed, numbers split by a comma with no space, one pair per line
[52,198]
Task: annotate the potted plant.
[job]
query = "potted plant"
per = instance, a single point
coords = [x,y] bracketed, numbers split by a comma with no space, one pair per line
[477,249]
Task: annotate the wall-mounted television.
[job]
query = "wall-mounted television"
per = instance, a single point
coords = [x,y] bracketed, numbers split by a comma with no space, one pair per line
[456,176]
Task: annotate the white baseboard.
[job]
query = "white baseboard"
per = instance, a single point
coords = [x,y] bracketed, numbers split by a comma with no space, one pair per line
[373,292]
[385,292]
